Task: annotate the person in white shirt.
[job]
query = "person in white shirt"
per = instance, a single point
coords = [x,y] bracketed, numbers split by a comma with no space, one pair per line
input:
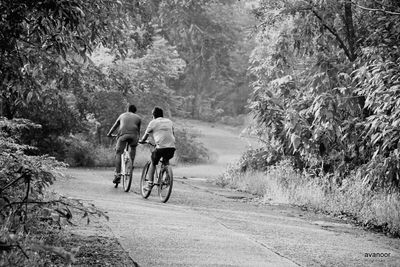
[162,131]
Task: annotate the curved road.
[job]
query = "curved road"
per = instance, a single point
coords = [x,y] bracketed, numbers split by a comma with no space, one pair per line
[203,225]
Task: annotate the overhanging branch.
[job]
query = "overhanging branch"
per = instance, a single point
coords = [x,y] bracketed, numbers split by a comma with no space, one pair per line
[334,33]
[377,10]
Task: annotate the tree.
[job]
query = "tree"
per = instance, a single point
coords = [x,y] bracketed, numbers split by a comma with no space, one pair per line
[40,39]
[314,91]
[205,33]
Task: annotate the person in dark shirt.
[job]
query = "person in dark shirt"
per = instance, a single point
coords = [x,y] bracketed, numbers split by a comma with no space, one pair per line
[128,125]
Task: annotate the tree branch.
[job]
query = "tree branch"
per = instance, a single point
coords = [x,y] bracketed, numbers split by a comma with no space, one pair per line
[52,202]
[13,182]
[377,10]
[337,36]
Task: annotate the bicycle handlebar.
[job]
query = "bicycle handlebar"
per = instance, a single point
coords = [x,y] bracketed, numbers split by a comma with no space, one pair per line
[147,143]
[142,143]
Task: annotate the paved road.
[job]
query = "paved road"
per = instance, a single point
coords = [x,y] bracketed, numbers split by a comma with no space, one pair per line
[203,225]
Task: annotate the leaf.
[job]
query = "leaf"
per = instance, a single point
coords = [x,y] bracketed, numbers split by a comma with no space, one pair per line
[296,141]
[29,97]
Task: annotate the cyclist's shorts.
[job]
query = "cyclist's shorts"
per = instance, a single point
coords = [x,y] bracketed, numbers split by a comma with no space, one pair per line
[165,153]
[131,139]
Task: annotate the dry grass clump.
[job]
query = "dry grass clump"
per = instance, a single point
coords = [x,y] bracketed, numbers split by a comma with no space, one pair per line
[282,184]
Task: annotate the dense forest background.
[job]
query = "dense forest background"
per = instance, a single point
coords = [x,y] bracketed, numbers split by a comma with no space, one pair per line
[72,67]
[321,79]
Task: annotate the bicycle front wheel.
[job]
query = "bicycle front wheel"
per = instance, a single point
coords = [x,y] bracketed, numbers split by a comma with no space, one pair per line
[127,173]
[165,182]
[143,181]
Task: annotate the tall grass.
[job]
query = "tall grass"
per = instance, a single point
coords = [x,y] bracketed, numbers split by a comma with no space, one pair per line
[282,184]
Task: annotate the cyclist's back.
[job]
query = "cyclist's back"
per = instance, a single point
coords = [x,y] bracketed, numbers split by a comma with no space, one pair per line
[163,135]
[129,124]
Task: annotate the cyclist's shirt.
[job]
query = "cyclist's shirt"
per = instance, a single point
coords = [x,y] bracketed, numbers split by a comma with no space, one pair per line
[162,131]
[129,123]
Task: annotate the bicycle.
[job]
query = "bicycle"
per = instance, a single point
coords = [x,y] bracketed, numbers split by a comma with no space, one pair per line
[163,176]
[126,168]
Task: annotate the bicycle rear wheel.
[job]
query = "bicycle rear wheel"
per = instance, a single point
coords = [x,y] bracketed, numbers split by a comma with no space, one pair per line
[143,181]
[127,171]
[165,182]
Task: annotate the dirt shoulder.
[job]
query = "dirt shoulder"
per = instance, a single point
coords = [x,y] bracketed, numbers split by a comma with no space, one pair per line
[92,244]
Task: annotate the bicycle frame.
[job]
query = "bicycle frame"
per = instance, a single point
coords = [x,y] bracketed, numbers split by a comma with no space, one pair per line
[126,169]
[159,170]
[164,183]
[125,155]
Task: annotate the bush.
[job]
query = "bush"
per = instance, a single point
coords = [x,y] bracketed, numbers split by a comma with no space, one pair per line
[257,159]
[24,207]
[189,149]
[78,152]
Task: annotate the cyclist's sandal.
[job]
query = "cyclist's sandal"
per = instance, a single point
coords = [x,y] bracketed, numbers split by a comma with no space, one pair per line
[149,185]
[117,178]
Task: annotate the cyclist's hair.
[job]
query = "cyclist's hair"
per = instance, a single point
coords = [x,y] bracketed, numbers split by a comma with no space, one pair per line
[132,108]
[158,112]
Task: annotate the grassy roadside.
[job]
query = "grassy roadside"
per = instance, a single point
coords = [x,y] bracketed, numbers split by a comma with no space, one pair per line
[83,244]
[92,249]
[351,199]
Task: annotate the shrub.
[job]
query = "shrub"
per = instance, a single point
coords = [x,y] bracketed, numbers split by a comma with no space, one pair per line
[103,156]
[257,159]
[189,149]
[78,152]
[24,208]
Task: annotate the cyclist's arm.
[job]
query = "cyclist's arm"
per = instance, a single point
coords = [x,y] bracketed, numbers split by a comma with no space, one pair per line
[149,130]
[144,138]
[114,127]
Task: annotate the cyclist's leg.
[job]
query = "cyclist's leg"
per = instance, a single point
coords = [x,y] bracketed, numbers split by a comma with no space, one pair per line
[167,154]
[119,149]
[155,158]
[133,144]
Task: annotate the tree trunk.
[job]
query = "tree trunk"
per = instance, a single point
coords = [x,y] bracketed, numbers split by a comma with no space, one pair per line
[350,32]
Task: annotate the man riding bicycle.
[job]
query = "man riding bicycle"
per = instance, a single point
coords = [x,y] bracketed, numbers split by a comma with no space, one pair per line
[162,132]
[128,125]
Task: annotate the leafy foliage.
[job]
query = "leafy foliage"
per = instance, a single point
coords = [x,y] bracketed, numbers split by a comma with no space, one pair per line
[23,205]
[325,86]
[144,79]
[189,149]
[40,39]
